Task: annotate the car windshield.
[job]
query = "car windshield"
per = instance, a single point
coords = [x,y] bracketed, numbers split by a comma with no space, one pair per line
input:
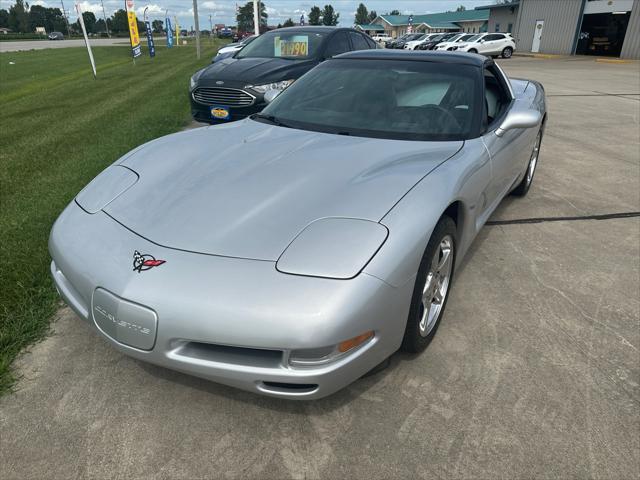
[464,38]
[393,99]
[248,40]
[474,38]
[454,38]
[291,44]
[437,38]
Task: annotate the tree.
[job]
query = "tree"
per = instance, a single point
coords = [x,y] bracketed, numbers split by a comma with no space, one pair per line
[329,17]
[19,17]
[158,26]
[288,23]
[245,17]
[89,22]
[315,16]
[461,8]
[119,22]
[372,16]
[362,15]
[4,18]
[394,12]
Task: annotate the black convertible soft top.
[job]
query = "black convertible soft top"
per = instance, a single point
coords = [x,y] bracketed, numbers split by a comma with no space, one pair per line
[461,58]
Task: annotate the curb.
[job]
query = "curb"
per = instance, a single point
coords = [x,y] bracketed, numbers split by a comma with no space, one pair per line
[612,60]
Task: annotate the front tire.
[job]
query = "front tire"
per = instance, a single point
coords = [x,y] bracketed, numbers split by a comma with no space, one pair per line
[472,50]
[432,287]
[507,52]
[524,186]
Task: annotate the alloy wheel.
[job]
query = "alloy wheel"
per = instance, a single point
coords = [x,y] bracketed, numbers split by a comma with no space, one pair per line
[436,285]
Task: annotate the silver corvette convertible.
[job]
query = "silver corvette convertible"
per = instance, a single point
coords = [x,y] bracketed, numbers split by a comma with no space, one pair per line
[292,252]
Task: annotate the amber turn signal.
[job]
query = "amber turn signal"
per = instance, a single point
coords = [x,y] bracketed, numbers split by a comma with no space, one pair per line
[354,342]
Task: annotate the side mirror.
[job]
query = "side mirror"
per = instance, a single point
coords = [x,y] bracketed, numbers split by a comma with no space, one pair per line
[519,119]
[271,95]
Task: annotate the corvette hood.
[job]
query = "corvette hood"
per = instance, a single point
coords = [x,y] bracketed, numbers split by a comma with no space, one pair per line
[254,70]
[246,189]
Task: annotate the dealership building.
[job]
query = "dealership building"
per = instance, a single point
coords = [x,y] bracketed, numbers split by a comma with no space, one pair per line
[581,27]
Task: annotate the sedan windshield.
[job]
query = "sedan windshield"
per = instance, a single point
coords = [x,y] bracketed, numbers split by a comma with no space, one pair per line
[405,100]
[475,38]
[291,44]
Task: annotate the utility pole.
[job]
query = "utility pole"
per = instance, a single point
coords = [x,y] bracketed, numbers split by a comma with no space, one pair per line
[256,16]
[66,20]
[197,22]
[104,15]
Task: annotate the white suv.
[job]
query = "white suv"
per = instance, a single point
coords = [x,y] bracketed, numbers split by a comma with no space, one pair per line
[490,44]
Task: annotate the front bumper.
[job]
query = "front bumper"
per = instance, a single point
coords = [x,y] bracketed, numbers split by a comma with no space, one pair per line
[233,321]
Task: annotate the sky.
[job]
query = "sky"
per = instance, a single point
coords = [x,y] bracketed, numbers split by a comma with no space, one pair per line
[223,11]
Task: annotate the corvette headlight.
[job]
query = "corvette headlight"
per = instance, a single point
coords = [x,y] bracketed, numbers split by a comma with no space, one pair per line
[333,248]
[271,86]
[106,187]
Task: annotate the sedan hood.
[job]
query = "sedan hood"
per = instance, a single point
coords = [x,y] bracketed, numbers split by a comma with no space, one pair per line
[246,189]
[255,70]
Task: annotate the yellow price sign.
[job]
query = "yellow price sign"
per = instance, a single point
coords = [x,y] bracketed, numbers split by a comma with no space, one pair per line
[295,46]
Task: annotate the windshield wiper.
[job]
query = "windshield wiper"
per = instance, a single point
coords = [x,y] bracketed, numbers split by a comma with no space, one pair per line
[271,119]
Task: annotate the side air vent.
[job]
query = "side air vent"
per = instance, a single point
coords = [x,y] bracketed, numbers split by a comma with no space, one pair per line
[251,357]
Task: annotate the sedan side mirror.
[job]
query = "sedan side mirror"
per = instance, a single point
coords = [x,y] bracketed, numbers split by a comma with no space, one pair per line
[527,118]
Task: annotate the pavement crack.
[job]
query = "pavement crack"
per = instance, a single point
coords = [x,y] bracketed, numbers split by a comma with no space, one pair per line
[605,216]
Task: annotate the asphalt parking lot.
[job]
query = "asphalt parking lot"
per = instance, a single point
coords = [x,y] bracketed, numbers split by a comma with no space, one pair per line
[535,371]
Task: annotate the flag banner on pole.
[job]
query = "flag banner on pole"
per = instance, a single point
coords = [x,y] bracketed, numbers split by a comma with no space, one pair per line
[169,32]
[86,38]
[410,28]
[150,44]
[175,20]
[134,36]
[302,20]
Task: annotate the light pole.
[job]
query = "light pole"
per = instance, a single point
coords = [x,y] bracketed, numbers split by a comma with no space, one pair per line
[210,29]
[197,22]
[66,20]
[256,17]
[104,15]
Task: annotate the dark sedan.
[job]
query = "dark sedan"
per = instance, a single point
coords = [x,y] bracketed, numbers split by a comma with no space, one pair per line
[235,87]
[431,44]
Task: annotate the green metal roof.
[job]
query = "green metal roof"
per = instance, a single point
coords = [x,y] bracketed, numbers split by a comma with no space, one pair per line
[371,26]
[438,18]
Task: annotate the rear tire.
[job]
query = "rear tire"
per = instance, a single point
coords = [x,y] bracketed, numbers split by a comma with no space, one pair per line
[472,50]
[507,52]
[431,290]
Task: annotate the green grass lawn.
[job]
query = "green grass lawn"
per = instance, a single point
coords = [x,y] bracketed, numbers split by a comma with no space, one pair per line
[58,128]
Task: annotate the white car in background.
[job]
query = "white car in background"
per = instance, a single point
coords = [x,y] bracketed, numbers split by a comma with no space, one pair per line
[382,38]
[232,48]
[414,43]
[489,44]
[449,44]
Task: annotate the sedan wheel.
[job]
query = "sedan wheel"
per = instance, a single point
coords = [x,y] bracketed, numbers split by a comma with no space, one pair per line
[432,286]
